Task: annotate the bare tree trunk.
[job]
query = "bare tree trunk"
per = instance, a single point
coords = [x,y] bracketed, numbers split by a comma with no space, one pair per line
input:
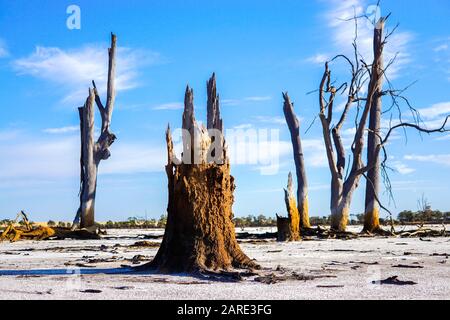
[93,152]
[372,208]
[87,162]
[343,186]
[302,184]
[199,233]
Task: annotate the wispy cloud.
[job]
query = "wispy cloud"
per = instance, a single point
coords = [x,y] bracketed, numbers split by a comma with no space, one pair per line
[402,168]
[56,157]
[318,58]
[3,49]
[25,157]
[236,102]
[169,106]
[74,69]
[442,47]
[442,159]
[270,120]
[258,98]
[131,158]
[342,32]
[436,110]
[243,126]
[8,134]
[61,130]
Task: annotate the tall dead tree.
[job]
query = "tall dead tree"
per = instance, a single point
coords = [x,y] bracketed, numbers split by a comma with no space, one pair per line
[200,232]
[302,184]
[93,152]
[372,208]
[289,228]
[344,184]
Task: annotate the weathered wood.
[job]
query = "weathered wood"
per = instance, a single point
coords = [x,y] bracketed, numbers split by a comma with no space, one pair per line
[199,233]
[88,163]
[214,122]
[283,229]
[302,184]
[289,228]
[372,208]
[93,152]
[343,187]
[213,105]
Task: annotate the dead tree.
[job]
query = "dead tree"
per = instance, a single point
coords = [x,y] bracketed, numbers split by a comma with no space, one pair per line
[289,228]
[200,234]
[372,208]
[302,184]
[93,152]
[344,184]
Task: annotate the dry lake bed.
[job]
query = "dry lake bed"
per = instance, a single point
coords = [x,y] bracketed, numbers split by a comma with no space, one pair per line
[326,269]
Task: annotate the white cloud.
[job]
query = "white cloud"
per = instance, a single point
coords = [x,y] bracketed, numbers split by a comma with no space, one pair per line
[268,119]
[319,58]
[25,157]
[74,69]
[342,34]
[445,137]
[170,106]
[68,129]
[436,110]
[230,102]
[243,126]
[3,49]
[56,157]
[258,98]
[401,167]
[6,135]
[236,102]
[442,159]
[129,158]
[442,47]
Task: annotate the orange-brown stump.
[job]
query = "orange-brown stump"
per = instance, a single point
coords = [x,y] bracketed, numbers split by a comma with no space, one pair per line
[200,234]
[289,228]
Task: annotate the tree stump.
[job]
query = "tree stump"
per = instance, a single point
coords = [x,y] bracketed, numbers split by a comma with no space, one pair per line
[289,228]
[200,234]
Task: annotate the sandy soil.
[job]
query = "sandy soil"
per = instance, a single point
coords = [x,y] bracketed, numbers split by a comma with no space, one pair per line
[73,269]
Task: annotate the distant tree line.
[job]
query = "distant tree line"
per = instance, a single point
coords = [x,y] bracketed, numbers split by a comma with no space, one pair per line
[430,216]
[426,215]
[253,221]
[137,223]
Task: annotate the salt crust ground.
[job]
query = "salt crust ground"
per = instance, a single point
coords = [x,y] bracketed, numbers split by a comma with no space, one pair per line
[65,270]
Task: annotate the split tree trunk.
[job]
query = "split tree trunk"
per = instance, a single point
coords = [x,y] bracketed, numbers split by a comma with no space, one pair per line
[302,185]
[289,228]
[93,152]
[199,234]
[372,208]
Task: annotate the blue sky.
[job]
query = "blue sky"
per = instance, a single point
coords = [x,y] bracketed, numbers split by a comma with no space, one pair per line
[257,49]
